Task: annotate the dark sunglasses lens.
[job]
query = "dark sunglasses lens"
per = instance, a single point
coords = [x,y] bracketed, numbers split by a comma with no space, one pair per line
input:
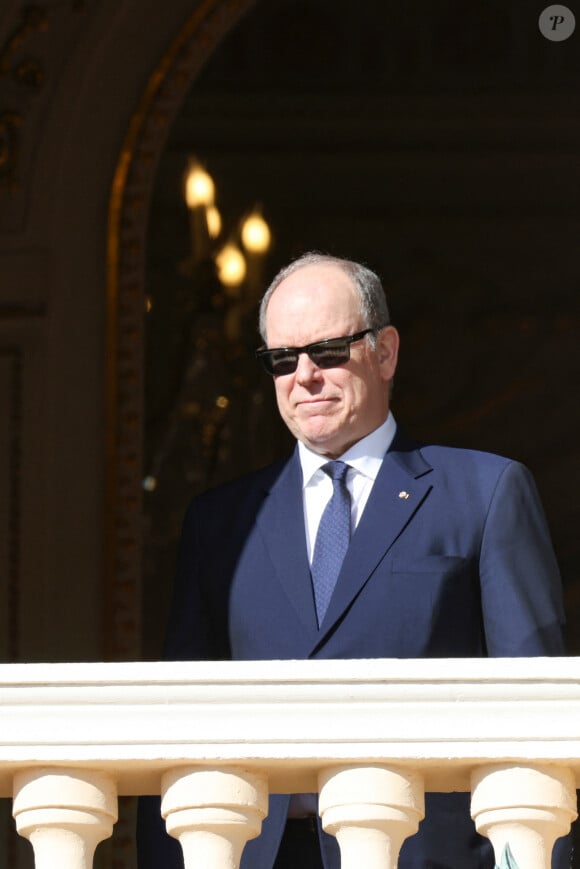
[279,362]
[330,355]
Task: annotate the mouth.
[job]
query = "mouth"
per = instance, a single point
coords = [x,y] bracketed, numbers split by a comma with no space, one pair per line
[313,403]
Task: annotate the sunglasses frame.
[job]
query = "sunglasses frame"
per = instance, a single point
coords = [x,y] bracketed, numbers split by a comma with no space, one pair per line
[264,354]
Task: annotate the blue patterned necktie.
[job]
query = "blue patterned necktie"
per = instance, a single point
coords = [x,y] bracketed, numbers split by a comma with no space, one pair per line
[332,538]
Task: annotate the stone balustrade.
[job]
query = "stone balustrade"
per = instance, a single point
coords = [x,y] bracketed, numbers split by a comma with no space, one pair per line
[215,738]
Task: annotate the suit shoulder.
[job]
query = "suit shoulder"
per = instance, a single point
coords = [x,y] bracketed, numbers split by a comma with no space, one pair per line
[436,455]
[488,472]
[231,507]
[460,459]
[239,489]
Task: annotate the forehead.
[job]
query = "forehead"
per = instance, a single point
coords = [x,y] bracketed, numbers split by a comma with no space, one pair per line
[313,294]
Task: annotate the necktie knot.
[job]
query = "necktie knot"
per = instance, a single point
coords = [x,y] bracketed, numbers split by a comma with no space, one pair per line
[336,470]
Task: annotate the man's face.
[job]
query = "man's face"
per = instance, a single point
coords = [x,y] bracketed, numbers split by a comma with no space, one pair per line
[329,409]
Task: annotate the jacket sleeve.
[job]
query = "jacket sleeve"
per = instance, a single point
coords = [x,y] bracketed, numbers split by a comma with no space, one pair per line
[197,629]
[523,613]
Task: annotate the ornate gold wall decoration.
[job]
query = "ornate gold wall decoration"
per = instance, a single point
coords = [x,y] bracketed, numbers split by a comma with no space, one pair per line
[28,73]
[23,69]
[33,19]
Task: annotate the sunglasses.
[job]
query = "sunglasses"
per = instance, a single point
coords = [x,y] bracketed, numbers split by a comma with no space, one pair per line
[278,361]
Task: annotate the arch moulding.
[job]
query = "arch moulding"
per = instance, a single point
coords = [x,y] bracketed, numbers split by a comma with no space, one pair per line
[127,222]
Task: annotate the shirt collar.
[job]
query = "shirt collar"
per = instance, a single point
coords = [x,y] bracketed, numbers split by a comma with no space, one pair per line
[365,456]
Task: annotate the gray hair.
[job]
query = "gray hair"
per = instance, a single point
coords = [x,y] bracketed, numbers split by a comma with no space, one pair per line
[373,302]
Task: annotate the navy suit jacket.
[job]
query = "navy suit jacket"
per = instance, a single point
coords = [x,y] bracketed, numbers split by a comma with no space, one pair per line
[451,558]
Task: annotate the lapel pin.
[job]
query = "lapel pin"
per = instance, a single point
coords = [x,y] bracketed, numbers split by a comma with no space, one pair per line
[403,495]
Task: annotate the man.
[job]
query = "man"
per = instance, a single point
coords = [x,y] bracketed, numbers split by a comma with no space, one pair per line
[440,552]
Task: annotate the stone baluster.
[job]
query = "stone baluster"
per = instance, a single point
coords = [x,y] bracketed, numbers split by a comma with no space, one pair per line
[525,807]
[213,813]
[64,813]
[371,810]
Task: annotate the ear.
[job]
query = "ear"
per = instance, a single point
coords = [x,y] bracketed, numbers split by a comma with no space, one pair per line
[388,351]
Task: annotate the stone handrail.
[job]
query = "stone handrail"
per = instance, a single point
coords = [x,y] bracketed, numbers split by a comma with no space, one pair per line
[214,738]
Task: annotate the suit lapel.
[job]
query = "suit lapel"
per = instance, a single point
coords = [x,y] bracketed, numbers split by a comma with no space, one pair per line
[403,473]
[281,524]
[400,489]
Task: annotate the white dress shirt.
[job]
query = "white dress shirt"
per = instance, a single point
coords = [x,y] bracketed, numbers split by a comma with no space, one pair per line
[365,459]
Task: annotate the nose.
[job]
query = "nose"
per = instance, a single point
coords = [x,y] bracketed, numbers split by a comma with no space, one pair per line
[306,370]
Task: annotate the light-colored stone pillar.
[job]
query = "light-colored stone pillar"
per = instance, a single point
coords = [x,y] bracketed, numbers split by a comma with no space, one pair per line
[213,813]
[64,813]
[371,810]
[525,807]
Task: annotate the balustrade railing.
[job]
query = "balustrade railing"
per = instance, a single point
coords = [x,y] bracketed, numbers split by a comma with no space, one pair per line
[215,738]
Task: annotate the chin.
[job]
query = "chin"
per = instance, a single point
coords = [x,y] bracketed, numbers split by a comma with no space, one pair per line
[318,437]
[323,445]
